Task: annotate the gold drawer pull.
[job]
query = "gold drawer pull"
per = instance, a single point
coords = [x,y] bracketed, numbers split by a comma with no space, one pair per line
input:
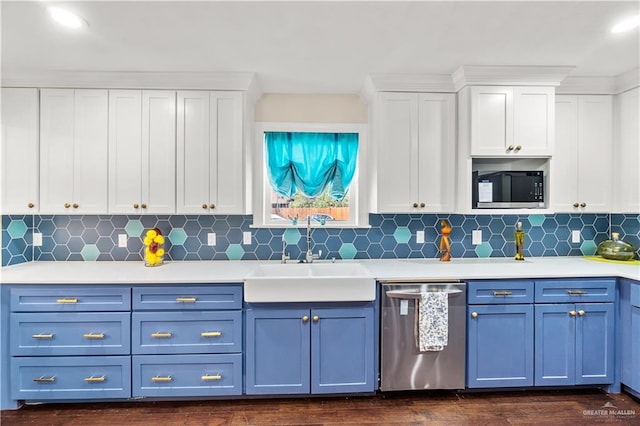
[161,335]
[41,379]
[94,336]
[186,299]
[502,293]
[576,292]
[95,379]
[65,300]
[211,334]
[42,336]
[208,378]
[161,379]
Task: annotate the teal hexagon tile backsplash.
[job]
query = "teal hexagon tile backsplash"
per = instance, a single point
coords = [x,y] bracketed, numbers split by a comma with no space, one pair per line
[390,236]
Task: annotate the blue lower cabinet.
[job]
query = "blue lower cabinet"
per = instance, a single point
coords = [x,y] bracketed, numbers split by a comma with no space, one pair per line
[278,351]
[297,350]
[70,378]
[574,344]
[629,323]
[500,346]
[342,350]
[187,375]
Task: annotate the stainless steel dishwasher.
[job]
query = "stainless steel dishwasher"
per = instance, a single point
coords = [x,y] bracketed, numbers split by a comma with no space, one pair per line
[403,366]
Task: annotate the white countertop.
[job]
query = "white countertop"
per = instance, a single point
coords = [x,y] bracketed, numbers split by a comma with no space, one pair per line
[132,272]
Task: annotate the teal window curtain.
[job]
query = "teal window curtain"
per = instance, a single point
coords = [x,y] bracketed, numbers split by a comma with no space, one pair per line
[311,162]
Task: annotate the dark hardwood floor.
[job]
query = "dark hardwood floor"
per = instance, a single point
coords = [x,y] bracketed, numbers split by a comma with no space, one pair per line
[576,407]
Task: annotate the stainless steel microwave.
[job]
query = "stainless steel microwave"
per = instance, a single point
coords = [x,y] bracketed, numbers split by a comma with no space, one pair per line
[508,190]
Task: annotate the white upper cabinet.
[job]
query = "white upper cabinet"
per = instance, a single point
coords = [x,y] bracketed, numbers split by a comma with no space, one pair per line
[73,151]
[415,139]
[511,121]
[210,155]
[581,167]
[20,173]
[142,135]
[626,187]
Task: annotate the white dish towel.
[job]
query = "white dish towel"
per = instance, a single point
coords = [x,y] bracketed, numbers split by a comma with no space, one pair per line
[432,321]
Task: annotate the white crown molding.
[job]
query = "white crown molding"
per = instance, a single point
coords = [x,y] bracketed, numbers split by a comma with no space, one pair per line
[481,75]
[433,83]
[587,86]
[134,80]
[627,81]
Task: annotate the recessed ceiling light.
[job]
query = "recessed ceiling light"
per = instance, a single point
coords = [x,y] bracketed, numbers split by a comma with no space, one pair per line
[66,18]
[626,25]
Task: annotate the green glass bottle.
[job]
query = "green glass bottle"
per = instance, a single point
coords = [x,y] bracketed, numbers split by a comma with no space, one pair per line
[519,237]
[616,249]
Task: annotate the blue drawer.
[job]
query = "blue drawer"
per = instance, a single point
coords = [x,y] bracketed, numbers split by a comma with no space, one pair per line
[499,292]
[182,298]
[70,298]
[187,375]
[575,290]
[83,333]
[69,378]
[186,332]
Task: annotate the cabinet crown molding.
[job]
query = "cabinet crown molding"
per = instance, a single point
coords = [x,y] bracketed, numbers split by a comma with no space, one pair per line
[499,75]
[243,81]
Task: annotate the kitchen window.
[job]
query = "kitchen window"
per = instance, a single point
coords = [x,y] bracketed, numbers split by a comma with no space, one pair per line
[309,171]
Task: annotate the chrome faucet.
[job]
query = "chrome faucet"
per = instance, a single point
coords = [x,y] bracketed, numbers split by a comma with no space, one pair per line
[285,256]
[310,256]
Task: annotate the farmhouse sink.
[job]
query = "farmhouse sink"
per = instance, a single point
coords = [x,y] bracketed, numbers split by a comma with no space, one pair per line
[309,282]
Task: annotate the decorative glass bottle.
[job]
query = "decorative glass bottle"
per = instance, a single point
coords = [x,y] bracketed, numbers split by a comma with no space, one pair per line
[616,249]
[519,237]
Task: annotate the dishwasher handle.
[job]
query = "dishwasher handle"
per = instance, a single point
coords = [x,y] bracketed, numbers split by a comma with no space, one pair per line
[398,294]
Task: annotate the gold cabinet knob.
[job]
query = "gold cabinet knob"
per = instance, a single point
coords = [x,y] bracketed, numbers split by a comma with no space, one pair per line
[144,206]
[30,205]
[212,206]
[305,319]
[415,205]
[316,318]
[518,147]
[474,315]
[422,204]
[581,312]
[572,313]
[575,205]
[75,205]
[204,206]
[583,205]
[510,148]
[67,205]
[135,205]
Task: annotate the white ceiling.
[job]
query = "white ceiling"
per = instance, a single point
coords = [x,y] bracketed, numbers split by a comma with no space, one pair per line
[319,47]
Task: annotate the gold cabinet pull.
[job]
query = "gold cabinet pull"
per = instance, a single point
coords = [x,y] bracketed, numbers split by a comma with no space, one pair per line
[204,206]
[510,148]
[186,299]
[211,334]
[161,335]
[576,292]
[161,379]
[93,335]
[474,315]
[208,378]
[575,205]
[42,379]
[422,204]
[583,205]
[135,205]
[75,205]
[305,319]
[316,318]
[415,205]
[67,205]
[502,293]
[212,206]
[30,205]
[144,206]
[518,147]
[42,336]
[69,301]
[93,379]
[572,313]
[581,312]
